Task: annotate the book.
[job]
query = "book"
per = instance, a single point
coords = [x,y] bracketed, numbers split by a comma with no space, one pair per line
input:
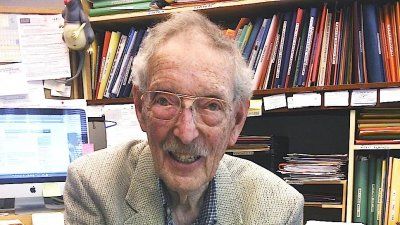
[301,49]
[112,49]
[390,42]
[118,82]
[372,44]
[246,37]
[294,48]
[116,63]
[128,43]
[394,201]
[139,6]
[106,43]
[284,49]
[257,44]
[261,46]
[261,69]
[253,36]
[106,3]
[371,188]
[308,47]
[379,187]
[360,205]
[388,189]
[321,75]
[315,60]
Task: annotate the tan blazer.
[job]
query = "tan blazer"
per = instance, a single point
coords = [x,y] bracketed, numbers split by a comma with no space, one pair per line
[119,186]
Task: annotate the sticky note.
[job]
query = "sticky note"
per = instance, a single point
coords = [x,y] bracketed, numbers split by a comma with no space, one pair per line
[87,148]
[51,189]
[255,108]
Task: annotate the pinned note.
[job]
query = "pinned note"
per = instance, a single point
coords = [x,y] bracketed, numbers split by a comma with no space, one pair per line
[389,95]
[51,189]
[364,97]
[274,102]
[255,108]
[87,148]
[336,98]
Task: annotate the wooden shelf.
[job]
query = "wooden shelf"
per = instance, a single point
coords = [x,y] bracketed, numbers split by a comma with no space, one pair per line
[377,147]
[212,9]
[112,101]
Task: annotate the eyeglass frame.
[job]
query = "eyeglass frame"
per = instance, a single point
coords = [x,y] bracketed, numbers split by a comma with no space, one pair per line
[227,106]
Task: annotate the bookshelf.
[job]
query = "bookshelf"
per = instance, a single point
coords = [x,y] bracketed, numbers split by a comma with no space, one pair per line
[311,130]
[354,150]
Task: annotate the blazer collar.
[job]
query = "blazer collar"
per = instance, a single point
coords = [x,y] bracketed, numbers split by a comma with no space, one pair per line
[144,196]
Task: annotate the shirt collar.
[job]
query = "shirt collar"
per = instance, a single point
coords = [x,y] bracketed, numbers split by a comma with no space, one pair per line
[208,212]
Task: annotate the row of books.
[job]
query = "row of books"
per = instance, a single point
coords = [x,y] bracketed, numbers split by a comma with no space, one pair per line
[376,190]
[111,63]
[329,45]
[302,168]
[378,126]
[107,7]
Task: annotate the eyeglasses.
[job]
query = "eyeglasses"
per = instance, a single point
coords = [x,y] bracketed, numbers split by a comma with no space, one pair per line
[166,106]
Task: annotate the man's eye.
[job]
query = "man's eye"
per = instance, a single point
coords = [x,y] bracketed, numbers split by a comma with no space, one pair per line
[162,101]
[214,106]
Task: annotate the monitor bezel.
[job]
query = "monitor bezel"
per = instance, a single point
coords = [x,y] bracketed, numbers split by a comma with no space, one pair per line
[45,111]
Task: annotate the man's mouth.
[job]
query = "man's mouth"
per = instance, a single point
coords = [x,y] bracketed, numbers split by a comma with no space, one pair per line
[184,158]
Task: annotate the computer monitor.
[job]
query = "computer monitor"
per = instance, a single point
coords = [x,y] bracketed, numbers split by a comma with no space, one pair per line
[36,147]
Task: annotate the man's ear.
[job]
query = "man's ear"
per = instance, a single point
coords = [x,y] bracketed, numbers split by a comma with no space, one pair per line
[139,107]
[242,107]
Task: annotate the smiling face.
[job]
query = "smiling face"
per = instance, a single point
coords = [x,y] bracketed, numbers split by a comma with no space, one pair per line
[187,151]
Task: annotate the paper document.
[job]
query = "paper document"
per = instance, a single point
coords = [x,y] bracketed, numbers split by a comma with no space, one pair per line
[11,222]
[35,96]
[121,122]
[336,98]
[390,95]
[304,100]
[54,218]
[43,52]
[12,80]
[9,40]
[364,97]
[274,102]
[313,222]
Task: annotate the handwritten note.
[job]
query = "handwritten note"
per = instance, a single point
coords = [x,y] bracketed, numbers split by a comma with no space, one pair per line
[274,102]
[389,95]
[255,108]
[364,97]
[336,98]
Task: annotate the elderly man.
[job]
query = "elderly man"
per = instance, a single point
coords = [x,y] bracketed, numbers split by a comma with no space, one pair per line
[191,97]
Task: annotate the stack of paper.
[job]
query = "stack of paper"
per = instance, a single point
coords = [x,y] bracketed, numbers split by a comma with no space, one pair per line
[300,168]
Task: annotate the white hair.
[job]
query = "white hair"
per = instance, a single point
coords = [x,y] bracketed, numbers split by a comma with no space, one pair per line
[186,22]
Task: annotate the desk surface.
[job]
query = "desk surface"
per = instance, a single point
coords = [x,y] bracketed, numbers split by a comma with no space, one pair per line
[26,219]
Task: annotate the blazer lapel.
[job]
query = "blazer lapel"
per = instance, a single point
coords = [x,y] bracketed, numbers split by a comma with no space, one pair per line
[143,195]
[228,198]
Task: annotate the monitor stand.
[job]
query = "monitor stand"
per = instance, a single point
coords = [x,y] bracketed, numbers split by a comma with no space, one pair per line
[29,205]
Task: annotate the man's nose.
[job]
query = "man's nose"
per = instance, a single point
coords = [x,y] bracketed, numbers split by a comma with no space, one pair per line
[185,127]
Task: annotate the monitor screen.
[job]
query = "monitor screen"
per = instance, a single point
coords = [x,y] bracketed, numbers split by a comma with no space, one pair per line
[38,144]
